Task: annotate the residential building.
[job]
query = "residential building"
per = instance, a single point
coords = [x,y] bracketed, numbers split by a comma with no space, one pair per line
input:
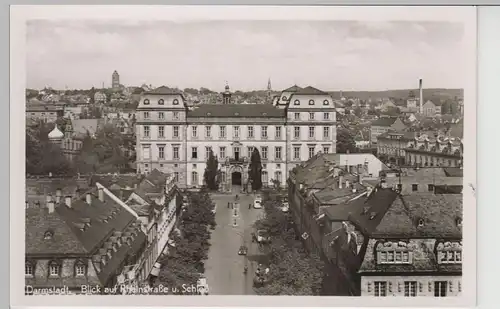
[432,109]
[176,139]
[45,112]
[391,145]
[384,124]
[100,97]
[416,249]
[439,180]
[437,150]
[82,240]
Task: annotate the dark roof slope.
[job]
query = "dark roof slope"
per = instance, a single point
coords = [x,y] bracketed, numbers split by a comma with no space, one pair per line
[63,241]
[453,171]
[310,91]
[294,88]
[384,121]
[163,90]
[236,110]
[122,180]
[439,213]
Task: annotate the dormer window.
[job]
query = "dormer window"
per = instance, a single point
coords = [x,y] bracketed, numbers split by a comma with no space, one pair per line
[80,269]
[393,253]
[296,102]
[48,235]
[29,269]
[161,102]
[420,222]
[284,98]
[54,269]
[373,215]
[449,253]
[146,101]
[459,222]
[175,102]
[325,102]
[311,102]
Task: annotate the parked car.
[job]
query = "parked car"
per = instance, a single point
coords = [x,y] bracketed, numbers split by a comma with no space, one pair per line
[263,236]
[243,250]
[257,203]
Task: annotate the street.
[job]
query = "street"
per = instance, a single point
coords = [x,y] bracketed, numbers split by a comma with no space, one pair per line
[224,267]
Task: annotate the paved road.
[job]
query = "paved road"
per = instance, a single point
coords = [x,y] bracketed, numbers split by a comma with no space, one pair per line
[224,267]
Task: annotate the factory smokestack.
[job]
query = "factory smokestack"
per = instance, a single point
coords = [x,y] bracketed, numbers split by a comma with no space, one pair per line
[421,97]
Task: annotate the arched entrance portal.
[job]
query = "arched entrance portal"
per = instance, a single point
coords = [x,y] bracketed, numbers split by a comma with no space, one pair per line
[236,178]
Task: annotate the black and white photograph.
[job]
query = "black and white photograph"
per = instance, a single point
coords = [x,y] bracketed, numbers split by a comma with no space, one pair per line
[209,153]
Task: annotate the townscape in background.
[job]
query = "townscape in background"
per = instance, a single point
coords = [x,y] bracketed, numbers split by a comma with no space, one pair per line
[162,190]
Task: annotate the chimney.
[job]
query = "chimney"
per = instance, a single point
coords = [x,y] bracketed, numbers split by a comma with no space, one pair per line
[27,205]
[50,206]
[347,184]
[341,180]
[88,198]
[49,198]
[101,194]
[58,195]
[68,201]
[421,96]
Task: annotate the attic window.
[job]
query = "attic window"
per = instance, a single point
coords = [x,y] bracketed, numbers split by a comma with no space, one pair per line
[175,102]
[236,114]
[284,98]
[420,222]
[325,102]
[459,221]
[296,102]
[48,235]
[161,102]
[311,102]
[146,102]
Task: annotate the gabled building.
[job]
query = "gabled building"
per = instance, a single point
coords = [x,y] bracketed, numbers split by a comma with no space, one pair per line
[384,124]
[392,145]
[416,249]
[432,109]
[425,180]
[82,240]
[438,150]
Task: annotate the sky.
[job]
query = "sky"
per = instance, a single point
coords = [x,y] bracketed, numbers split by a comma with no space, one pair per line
[329,55]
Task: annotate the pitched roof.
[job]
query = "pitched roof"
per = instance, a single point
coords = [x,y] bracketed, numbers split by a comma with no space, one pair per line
[236,110]
[384,121]
[309,90]
[453,171]
[122,180]
[405,135]
[294,88]
[439,213]
[164,90]
[63,240]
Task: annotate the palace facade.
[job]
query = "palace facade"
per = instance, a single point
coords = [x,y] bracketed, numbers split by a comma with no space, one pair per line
[175,138]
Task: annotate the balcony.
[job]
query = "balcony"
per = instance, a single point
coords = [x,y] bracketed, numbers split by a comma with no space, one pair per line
[239,160]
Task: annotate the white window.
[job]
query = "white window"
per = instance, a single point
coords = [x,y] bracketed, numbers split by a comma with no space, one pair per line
[380,288]
[277,153]
[194,152]
[176,132]
[54,269]
[326,132]
[161,151]
[311,151]
[161,115]
[208,131]
[236,131]
[326,116]
[176,176]
[278,132]
[297,116]
[325,102]
[208,150]
[175,102]
[326,149]
[146,115]
[80,270]
[250,132]
[161,131]
[222,132]
[296,132]
[410,288]
[194,131]
[146,131]
[277,176]
[28,269]
[176,153]
[194,178]
[250,150]
[146,152]
[311,102]
[296,102]
[264,132]
[265,177]
[311,116]
[311,132]
[296,152]
[222,152]
[264,152]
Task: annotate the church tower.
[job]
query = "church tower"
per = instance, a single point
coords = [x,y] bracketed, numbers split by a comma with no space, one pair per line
[269,89]
[226,95]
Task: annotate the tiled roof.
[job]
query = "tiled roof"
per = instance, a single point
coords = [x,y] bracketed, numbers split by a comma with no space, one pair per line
[122,180]
[163,90]
[294,88]
[309,90]
[453,171]
[439,213]
[405,135]
[63,241]
[236,111]
[384,121]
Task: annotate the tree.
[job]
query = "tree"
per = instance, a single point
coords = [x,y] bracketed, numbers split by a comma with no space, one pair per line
[210,175]
[358,112]
[256,170]
[345,141]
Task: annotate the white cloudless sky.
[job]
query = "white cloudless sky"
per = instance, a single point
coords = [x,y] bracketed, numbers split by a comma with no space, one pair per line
[329,55]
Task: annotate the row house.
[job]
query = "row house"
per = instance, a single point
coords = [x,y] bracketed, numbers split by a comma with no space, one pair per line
[438,150]
[416,249]
[42,111]
[73,241]
[438,180]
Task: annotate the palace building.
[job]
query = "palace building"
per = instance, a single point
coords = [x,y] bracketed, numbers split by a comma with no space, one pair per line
[175,138]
